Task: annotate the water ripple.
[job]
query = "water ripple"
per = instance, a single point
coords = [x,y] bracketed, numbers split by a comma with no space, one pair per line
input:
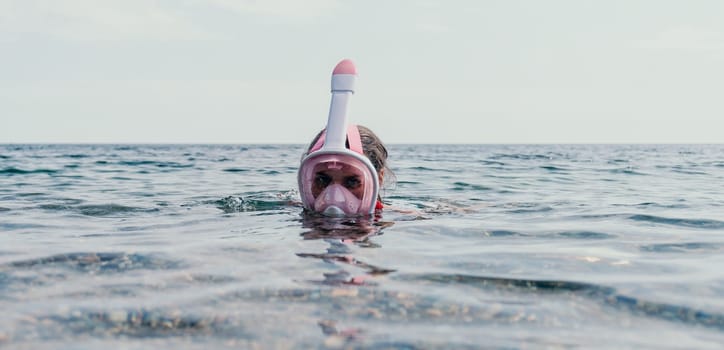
[681,247]
[586,235]
[16,171]
[696,223]
[75,156]
[141,323]
[553,169]
[236,170]
[504,233]
[603,294]
[97,262]
[626,171]
[99,210]
[159,164]
[522,156]
[464,186]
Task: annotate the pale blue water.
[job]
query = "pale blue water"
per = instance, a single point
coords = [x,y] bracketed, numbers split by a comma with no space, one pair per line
[512,246]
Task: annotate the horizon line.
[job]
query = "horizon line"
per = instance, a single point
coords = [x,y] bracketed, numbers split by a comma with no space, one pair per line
[387,143]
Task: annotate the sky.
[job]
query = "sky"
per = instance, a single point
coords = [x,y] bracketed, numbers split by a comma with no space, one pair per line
[455,71]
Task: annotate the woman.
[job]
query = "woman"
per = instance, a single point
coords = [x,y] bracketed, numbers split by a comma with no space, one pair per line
[341,172]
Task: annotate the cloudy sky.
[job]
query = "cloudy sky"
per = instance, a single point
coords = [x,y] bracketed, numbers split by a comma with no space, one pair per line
[246,71]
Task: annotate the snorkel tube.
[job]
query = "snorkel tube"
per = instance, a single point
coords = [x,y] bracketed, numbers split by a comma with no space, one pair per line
[344,77]
[330,157]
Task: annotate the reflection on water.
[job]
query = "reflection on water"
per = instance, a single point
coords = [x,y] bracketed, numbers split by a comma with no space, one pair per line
[340,233]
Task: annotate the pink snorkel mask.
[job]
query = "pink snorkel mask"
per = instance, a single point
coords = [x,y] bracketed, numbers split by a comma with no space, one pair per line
[335,180]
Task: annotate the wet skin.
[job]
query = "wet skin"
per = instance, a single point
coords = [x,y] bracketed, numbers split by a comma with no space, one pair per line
[350,181]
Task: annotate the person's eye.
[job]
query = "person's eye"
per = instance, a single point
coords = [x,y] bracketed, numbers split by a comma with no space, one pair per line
[322,180]
[352,182]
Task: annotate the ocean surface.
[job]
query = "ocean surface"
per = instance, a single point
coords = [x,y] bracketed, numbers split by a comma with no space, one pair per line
[481,246]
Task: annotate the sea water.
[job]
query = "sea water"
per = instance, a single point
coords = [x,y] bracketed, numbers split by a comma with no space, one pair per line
[480,246]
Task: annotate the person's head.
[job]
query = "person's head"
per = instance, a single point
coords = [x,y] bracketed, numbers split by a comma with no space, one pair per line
[341,171]
[348,181]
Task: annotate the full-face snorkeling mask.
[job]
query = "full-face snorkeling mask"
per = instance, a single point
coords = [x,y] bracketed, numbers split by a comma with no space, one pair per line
[333,179]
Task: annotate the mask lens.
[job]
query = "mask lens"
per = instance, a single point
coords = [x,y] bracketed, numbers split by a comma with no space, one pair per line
[330,173]
[347,173]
